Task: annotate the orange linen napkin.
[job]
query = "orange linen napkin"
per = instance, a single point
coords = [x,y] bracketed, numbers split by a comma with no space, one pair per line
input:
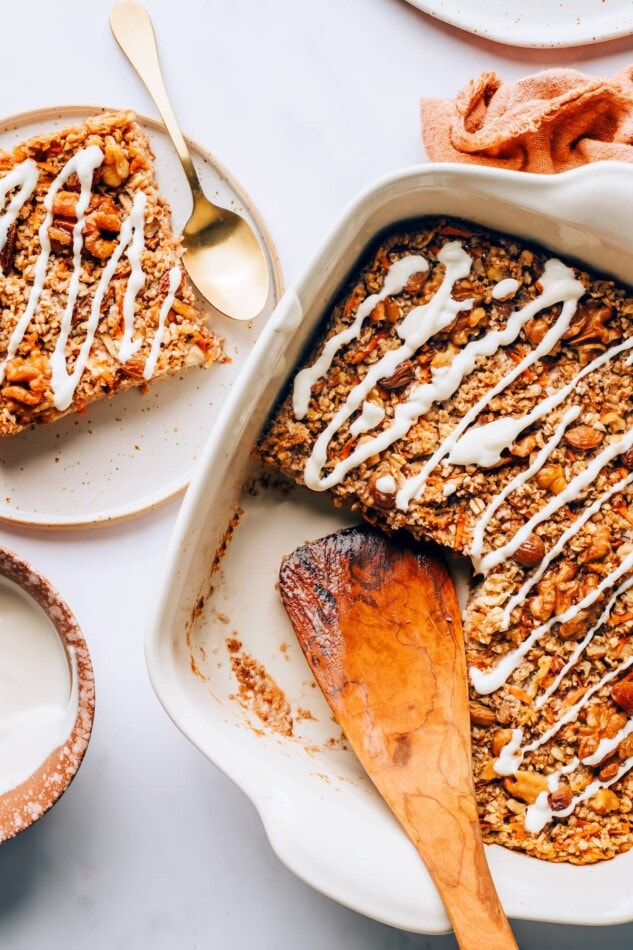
[546,123]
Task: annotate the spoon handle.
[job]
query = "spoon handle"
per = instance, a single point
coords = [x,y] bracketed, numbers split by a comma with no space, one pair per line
[133,31]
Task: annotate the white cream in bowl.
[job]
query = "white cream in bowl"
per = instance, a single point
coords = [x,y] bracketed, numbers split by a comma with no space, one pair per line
[38,689]
[46,695]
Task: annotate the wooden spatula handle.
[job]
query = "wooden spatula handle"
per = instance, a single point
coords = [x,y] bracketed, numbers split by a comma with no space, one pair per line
[457,863]
[381,628]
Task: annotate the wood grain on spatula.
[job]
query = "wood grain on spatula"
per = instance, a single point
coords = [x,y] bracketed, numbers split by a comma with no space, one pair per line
[379,623]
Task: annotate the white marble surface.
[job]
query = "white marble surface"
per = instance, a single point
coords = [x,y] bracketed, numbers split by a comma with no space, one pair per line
[306,102]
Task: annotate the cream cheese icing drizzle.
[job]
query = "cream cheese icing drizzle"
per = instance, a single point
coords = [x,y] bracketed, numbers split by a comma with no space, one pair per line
[505,288]
[420,325]
[515,483]
[483,446]
[488,681]
[572,492]
[175,276]
[559,285]
[371,415]
[23,179]
[396,279]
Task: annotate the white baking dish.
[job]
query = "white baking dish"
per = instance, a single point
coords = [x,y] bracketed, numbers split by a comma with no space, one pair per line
[322,815]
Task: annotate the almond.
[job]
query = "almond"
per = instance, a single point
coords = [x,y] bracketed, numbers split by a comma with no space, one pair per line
[531,552]
[622,694]
[583,438]
[560,799]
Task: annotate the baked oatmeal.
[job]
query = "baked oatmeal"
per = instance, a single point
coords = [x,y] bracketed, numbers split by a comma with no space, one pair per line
[477,391]
[93,297]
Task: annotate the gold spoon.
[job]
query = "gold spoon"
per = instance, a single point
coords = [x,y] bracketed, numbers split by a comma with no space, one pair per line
[221,253]
[380,626]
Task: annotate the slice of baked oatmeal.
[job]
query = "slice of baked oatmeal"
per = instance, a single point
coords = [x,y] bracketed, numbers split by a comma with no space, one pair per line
[477,391]
[93,295]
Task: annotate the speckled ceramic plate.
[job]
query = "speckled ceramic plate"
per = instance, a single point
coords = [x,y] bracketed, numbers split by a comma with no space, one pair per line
[538,23]
[221,652]
[21,806]
[126,455]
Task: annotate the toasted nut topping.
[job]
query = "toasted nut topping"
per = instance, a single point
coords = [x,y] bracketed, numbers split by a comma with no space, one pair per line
[553,478]
[403,375]
[599,548]
[609,771]
[627,458]
[535,330]
[499,740]
[560,799]
[604,801]
[625,749]
[416,282]
[488,774]
[526,786]
[531,552]
[622,694]
[587,746]
[583,438]
[589,324]
[481,715]
[523,447]
[116,166]
[8,251]
[380,497]
[392,310]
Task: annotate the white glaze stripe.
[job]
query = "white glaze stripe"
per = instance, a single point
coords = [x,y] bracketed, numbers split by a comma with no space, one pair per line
[41,264]
[551,689]
[175,275]
[571,493]
[395,281]
[553,553]
[517,482]
[558,285]
[420,324]
[84,165]
[129,347]
[66,388]
[513,754]
[540,813]
[371,415]
[23,178]
[606,746]
[487,681]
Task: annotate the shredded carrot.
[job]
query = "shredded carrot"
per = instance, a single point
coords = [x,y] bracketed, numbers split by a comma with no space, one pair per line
[591,829]
[616,619]
[347,448]
[451,231]
[623,513]
[382,260]
[351,303]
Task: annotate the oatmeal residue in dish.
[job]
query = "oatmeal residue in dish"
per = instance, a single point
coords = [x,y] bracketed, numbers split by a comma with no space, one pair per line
[258,691]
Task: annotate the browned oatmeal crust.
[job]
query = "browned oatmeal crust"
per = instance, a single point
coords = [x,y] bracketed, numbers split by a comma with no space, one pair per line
[456,496]
[26,391]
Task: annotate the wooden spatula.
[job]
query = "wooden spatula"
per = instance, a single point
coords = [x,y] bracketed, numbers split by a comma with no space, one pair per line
[379,623]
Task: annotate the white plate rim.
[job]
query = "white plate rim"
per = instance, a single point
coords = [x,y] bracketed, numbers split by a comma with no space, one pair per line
[466,15]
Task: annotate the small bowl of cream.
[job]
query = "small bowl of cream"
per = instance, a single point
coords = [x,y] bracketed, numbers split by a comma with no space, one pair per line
[46,695]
